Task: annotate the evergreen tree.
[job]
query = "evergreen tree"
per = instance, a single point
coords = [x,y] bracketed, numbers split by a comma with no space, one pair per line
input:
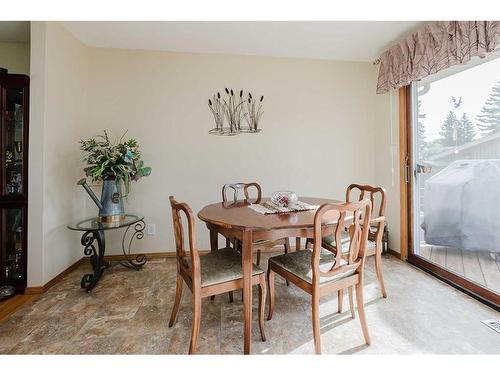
[466,131]
[488,121]
[449,130]
[455,132]
[422,142]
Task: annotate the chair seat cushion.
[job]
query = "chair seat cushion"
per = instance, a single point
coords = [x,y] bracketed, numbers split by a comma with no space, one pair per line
[221,266]
[299,263]
[346,240]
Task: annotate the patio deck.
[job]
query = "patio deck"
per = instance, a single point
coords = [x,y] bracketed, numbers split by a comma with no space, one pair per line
[479,267]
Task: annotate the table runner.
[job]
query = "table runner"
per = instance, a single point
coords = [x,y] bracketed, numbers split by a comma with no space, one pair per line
[269,208]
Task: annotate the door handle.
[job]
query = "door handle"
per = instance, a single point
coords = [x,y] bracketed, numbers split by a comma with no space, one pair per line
[423,168]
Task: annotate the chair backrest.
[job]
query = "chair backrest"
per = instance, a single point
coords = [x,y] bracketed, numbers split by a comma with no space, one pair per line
[177,208]
[371,192]
[357,216]
[377,196]
[241,186]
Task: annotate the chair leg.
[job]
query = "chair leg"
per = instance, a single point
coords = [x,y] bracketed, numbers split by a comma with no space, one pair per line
[258,258]
[340,300]
[315,323]
[378,269]
[351,302]
[270,280]
[212,298]
[177,302]
[287,249]
[262,305]
[361,312]
[228,242]
[196,323]
[231,297]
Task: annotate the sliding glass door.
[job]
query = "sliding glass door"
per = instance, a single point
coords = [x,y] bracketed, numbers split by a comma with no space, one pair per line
[454,152]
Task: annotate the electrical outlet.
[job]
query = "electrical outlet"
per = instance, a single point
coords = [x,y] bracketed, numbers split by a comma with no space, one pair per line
[151,229]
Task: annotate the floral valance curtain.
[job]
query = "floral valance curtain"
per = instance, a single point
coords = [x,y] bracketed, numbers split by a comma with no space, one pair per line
[436,46]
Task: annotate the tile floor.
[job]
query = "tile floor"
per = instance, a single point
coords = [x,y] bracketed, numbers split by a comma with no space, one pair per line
[128,313]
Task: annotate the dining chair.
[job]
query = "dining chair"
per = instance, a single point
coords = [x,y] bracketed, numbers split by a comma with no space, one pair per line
[214,273]
[262,245]
[377,196]
[319,271]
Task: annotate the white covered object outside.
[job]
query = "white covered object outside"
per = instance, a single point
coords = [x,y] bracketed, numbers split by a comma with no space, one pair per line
[462,206]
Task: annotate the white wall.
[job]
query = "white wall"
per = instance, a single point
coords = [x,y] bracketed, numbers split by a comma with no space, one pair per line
[35,154]
[323,128]
[317,137]
[387,160]
[15,57]
[58,119]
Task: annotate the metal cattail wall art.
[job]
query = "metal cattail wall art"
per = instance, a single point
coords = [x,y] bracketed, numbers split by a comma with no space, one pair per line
[254,113]
[217,108]
[234,108]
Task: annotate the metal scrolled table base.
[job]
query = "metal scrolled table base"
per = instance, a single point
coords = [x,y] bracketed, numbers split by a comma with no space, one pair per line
[140,260]
[96,253]
[97,261]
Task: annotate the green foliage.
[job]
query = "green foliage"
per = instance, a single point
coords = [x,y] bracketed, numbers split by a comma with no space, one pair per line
[121,161]
[488,121]
[422,141]
[466,131]
[456,132]
[431,148]
[449,130]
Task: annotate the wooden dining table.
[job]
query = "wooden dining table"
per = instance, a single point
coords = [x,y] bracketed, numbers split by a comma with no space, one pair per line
[237,220]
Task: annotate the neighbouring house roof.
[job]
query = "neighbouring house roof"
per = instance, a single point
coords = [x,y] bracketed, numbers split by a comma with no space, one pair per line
[451,150]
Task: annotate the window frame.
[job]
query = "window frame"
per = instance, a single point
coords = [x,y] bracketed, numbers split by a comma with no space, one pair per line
[407,103]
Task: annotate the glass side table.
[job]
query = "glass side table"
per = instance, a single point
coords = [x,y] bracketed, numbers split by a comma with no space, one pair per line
[94,233]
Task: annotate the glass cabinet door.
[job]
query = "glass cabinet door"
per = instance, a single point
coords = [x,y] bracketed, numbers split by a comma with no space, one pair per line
[14,119]
[14,272]
[13,138]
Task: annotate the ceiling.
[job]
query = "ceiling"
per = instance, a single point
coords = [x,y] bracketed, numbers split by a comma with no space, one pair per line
[330,40]
[14,31]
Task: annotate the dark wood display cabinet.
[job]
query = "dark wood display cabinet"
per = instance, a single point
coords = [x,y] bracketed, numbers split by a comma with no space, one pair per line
[14,97]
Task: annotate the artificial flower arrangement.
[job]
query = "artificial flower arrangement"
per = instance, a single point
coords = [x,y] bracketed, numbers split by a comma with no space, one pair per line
[119,160]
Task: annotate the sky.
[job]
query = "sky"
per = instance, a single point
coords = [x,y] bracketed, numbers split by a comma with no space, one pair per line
[473,85]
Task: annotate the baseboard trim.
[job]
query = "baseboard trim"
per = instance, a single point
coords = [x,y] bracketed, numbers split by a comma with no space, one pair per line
[394,253]
[55,280]
[32,290]
[162,255]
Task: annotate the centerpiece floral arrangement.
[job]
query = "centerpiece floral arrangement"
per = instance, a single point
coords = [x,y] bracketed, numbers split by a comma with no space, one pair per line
[120,160]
